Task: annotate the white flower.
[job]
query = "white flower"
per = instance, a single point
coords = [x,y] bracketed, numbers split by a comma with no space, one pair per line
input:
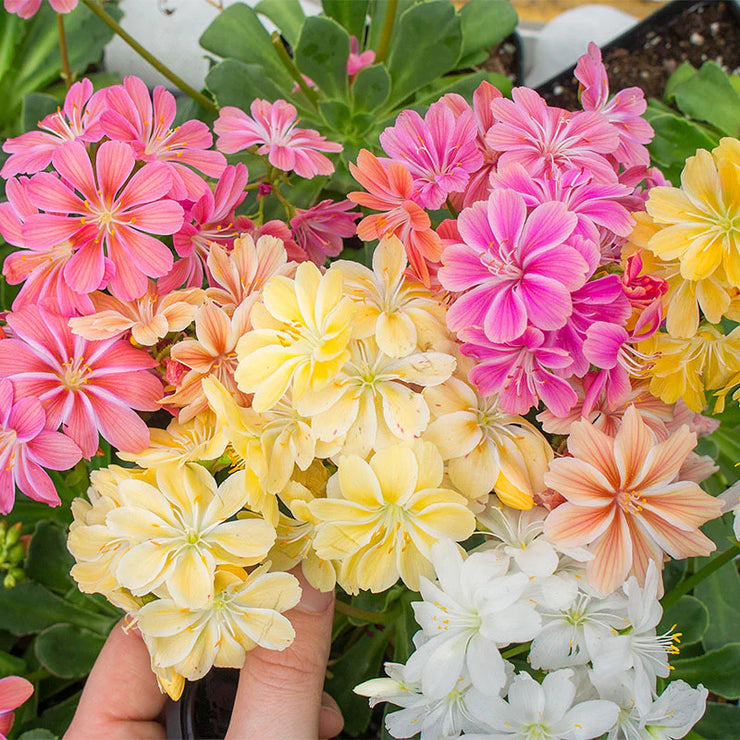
[475,608]
[544,711]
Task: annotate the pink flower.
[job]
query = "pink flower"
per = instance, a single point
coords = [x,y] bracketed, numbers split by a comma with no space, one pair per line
[272,126]
[105,210]
[146,126]
[41,269]
[210,220]
[86,386]
[319,230]
[390,189]
[517,269]
[624,502]
[520,372]
[27,8]
[549,140]
[478,187]
[14,691]
[641,290]
[78,119]
[439,151]
[357,61]
[624,111]
[25,446]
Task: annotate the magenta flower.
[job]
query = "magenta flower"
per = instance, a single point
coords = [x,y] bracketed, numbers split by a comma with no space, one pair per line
[79,118]
[14,691]
[357,61]
[104,210]
[319,230]
[439,150]
[27,8]
[516,269]
[549,140]
[41,269]
[520,372]
[641,290]
[86,386]
[624,111]
[145,125]
[211,219]
[272,127]
[25,446]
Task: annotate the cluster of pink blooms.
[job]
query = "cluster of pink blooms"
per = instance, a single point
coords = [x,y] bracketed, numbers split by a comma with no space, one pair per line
[110,208]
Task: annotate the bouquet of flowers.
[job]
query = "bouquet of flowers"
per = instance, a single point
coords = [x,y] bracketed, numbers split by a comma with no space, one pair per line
[499,410]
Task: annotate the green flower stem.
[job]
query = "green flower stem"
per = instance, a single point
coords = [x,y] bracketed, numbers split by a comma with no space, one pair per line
[97,8]
[685,586]
[387,32]
[66,69]
[517,650]
[364,615]
[451,208]
[293,71]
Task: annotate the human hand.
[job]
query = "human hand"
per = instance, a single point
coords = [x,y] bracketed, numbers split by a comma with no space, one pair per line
[279,695]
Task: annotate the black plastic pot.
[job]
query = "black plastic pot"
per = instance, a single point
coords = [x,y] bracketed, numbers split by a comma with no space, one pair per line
[561,89]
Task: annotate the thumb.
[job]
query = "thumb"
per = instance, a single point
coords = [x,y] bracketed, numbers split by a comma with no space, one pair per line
[280,692]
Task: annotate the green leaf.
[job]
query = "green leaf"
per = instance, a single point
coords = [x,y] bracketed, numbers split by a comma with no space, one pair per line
[720,593]
[484,24]
[720,721]
[287,15]
[10,665]
[35,107]
[716,669]
[351,15]
[59,716]
[322,53]
[237,33]
[38,733]
[691,618]
[426,44]
[406,627]
[371,88]
[49,561]
[336,114]
[29,607]
[378,10]
[683,72]
[68,651]
[708,96]
[360,663]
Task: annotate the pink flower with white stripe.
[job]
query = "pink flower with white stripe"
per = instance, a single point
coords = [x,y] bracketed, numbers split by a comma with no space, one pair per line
[319,230]
[103,210]
[272,128]
[517,269]
[624,111]
[28,8]
[549,140]
[356,60]
[26,447]
[79,118]
[14,691]
[85,386]
[439,151]
[145,123]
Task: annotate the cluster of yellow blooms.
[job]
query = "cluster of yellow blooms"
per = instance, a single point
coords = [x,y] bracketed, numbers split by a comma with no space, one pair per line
[335,410]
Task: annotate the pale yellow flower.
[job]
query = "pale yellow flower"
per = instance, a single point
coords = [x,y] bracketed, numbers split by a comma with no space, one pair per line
[373,402]
[178,533]
[200,438]
[382,517]
[485,448]
[149,318]
[701,220]
[402,314]
[245,611]
[300,336]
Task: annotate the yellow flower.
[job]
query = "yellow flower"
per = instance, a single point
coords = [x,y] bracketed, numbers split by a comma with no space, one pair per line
[486,449]
[300,336]
[382,517]
[200,438]
[402,314]
[246,611]
[701,220]
[684,368]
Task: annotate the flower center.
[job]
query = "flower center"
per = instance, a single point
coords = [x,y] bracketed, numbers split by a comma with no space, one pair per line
[631,502]
[75,373]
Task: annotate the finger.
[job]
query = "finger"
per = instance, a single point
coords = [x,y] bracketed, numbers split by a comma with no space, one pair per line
[279,694]
[121,699]
[331,720]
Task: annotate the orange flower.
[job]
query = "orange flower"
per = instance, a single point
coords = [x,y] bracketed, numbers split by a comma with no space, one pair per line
[623,500]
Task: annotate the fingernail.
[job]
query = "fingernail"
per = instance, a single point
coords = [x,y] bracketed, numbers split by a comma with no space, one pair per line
[314,601]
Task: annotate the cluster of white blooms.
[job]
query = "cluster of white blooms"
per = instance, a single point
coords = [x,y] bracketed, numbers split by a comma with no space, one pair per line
[514,643]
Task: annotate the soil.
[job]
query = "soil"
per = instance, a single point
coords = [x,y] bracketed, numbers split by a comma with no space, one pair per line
[506,59]
[648,55]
